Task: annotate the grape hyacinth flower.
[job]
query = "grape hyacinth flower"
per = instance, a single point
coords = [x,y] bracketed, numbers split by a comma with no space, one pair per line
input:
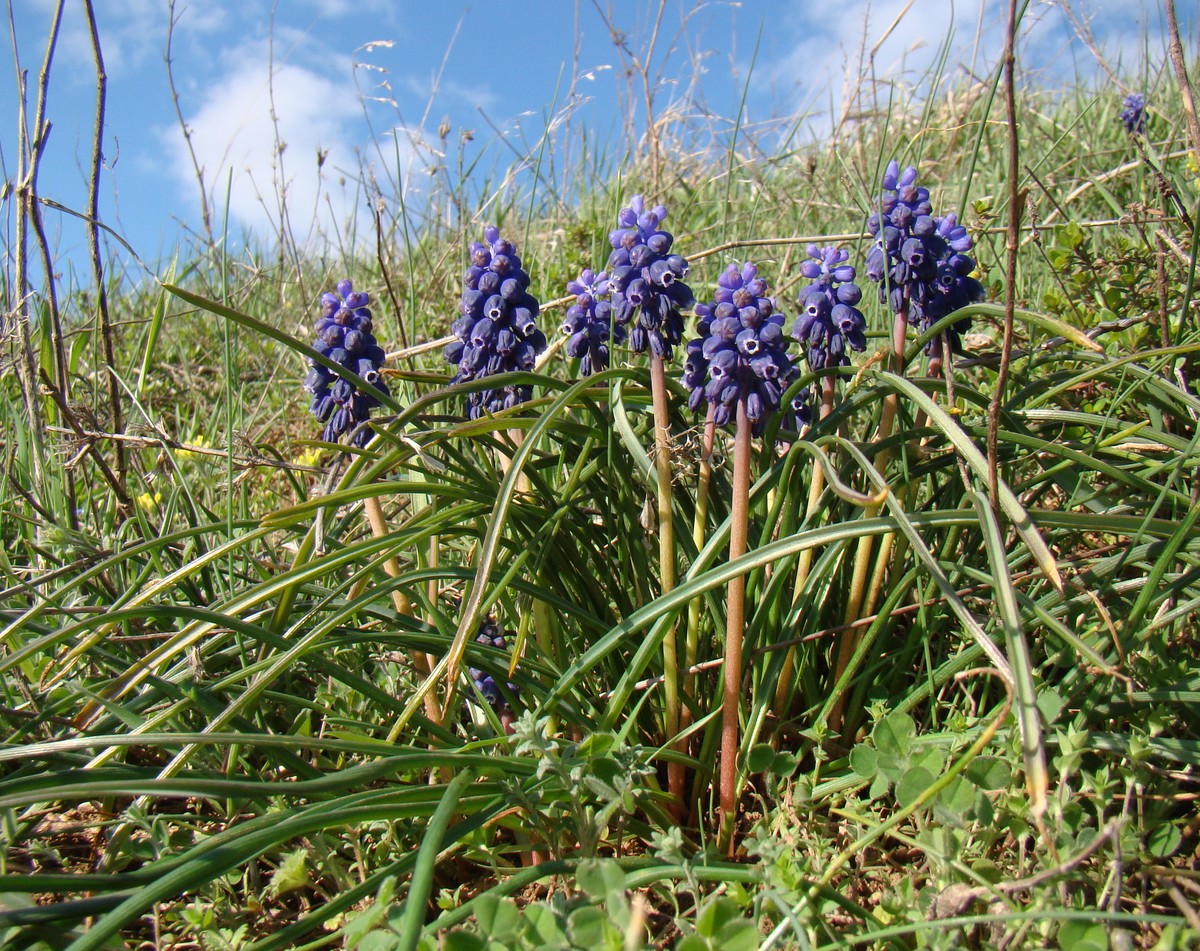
[740,353]
[920,260]
[589,322]
[490,635]
[646,280]
[344,336]
[830,321]
[497,331]
[1134,113]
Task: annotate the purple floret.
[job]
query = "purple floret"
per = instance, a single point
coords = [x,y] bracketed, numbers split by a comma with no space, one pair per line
[645,280]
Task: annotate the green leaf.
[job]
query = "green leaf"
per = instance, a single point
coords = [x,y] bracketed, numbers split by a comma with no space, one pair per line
[894,734]
[864,761]
[914,782]
[463,941]
[1071,236]
[1049,704]
[957,798]
[543,929]
[361,923]
[497,917]
[291,875]
[784,764]
[1163,840]
[1085,935]
[739,935]
[932,758]
[600,878]
[760,758]
[989,773]
[715,915]
[379,941]
[589,927]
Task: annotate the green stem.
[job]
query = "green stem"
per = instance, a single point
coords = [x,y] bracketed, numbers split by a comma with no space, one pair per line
[735,614]
[416,903]
[862,555]
[804,563]
[699,535]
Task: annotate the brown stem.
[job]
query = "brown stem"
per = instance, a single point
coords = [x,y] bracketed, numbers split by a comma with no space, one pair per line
[1011,243]
[1175,50]
[735,615]
[106,328]
[391,567]
[666,557]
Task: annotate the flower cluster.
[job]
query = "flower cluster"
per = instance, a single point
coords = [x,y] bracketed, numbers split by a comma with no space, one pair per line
[589,322]
[1134,113]
[646,280]
[497,332]
[740,353]
[919,260]
[344,336]
[490,635]
[829,321]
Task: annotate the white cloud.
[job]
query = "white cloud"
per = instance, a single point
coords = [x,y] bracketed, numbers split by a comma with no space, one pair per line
[827,52]
[317,175]
[237,141]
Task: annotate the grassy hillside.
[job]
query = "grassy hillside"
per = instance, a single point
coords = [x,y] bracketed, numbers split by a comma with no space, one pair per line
[243,696]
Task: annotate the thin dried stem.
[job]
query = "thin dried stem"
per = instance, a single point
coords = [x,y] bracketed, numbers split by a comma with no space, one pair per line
[1175,50]
[1012,244]
[116,422]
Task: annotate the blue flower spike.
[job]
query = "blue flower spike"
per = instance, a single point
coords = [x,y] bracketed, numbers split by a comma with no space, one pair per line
[589,323]
[490,635]
[645,280]
[919,260]
[343,334]
[497,328]
[740,353]
[1134,113]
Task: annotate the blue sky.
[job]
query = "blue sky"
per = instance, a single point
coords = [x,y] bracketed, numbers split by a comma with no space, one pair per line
[366,85]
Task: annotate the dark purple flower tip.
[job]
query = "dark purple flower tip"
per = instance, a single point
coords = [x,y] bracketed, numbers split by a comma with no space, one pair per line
[913,252]
[1134,113]
[891,175]
[491,234]
[345,288]
[660,242]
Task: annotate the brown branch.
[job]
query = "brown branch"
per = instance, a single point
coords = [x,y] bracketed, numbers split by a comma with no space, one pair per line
[1175,49]
[109,477]
[106,330]
[1012,243]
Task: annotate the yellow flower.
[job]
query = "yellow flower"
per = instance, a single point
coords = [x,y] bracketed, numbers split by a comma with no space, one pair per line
[182,454]
[149,502]
[309,457]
